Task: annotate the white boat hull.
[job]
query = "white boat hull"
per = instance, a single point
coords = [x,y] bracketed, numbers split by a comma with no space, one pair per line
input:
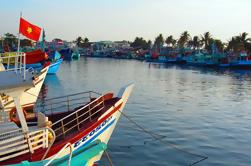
[29,97]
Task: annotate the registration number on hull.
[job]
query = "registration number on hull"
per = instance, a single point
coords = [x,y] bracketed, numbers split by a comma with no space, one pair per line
[92,133]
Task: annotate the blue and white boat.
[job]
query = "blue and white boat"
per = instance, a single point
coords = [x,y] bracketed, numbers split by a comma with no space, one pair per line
[54,67]
[243,61]
[53,62]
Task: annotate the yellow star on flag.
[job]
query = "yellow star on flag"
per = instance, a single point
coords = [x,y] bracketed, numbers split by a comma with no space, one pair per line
[29,30]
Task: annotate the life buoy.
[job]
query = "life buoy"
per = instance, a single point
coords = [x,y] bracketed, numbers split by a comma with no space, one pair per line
[13,115]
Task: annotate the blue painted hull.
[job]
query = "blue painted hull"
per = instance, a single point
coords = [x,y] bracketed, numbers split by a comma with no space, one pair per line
[55,66]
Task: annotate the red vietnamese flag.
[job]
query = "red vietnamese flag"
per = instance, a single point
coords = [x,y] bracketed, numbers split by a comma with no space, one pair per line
[29,30]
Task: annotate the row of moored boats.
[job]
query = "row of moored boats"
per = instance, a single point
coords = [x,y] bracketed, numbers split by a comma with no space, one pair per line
[66,130]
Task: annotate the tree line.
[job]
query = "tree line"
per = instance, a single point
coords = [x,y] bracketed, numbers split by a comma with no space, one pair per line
[205,41]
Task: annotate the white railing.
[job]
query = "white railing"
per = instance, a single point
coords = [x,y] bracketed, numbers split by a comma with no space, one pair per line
[64,103]
[78,117]
[15,143]
[14,61]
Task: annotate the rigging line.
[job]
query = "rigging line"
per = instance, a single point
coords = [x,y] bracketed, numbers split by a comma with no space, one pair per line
[165,142]
[109,158]
[140,130]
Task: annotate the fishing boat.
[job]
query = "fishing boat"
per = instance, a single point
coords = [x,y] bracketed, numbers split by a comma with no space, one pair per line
[75,55]
[243,61]
[224,62]
[212,60]
[68,53]
[163,59]
[38,133]
[198,59]
[29,97]
[38,60]
[54,67]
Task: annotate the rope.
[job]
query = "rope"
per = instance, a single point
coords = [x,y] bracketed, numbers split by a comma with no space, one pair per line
[109,158]
[140,130]
[155,136]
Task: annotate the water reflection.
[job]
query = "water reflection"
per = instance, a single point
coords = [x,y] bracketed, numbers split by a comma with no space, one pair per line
[203,110]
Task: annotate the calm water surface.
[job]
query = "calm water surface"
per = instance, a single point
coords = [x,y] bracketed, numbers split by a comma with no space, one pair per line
[201,111]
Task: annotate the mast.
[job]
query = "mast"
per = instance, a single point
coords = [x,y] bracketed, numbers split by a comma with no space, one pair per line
[17,95]
[43,41]
[18,45]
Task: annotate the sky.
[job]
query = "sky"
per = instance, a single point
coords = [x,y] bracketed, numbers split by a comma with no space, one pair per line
[125,19]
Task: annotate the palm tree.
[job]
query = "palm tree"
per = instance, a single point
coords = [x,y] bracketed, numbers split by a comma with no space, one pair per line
[149,44]
[79,41]
[219,45]
[196,42]
[140,43]
[170,41]
[159,41]
[184,38]
[86,42]
[239,43]
[242,38]
[206,40]
[174,42]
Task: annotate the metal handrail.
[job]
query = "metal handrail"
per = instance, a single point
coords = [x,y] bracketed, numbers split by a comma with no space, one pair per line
[78,110]
[76,116]
[77,124]
[75,94]
[59,102]
[19,62]
[65,101]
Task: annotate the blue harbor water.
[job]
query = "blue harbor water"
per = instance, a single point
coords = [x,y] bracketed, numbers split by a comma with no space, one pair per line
[200,111]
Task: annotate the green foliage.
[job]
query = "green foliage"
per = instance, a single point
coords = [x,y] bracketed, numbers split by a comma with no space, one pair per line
[218,43]
[206,38]
[196,42]
[140,43]
[183,40]
[10,40]
[84,43]
[159,41]
[239,43]
[170,41]
[79,41]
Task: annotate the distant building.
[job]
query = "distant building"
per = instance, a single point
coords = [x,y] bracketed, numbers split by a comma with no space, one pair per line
[122,45]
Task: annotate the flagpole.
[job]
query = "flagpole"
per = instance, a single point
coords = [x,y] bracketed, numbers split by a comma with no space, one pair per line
[18,49]
[18,45]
